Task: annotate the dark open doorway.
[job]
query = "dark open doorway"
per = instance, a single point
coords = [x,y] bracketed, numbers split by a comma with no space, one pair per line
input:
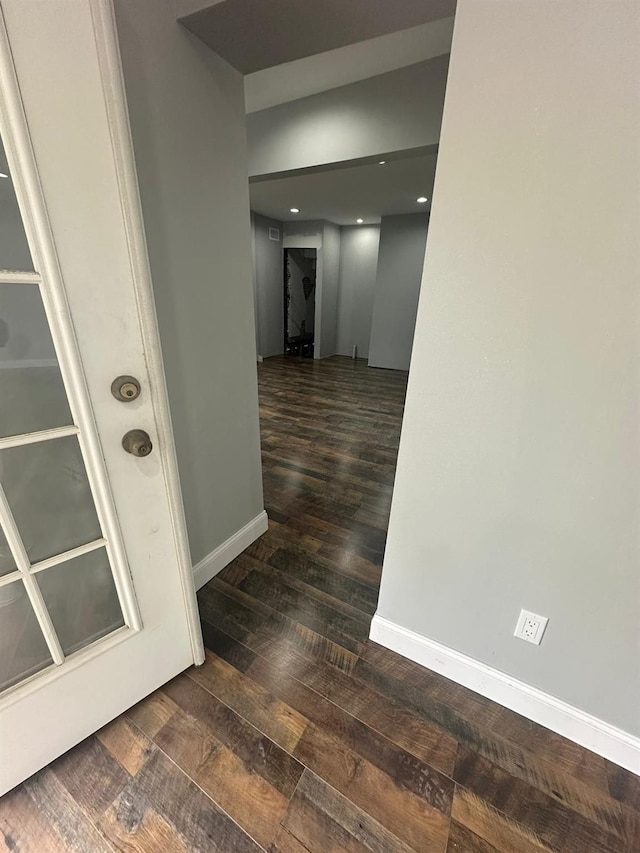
[299,301]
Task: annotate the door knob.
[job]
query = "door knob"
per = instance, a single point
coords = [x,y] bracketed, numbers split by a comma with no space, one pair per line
[137,442]
[125,388]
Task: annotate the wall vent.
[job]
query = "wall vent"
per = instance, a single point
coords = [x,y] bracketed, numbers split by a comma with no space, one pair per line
[274,234]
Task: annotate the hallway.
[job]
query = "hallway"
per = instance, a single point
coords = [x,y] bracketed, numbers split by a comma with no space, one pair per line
[298,735]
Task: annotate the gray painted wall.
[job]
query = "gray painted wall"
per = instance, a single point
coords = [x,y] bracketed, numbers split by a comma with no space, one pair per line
[329,276]
[517,481]
[390,112]
[358,263]
[187,116]
[268,274]
[398,278]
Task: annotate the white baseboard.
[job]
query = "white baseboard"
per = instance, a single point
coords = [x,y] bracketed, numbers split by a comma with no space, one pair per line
[564,719]
[215,562]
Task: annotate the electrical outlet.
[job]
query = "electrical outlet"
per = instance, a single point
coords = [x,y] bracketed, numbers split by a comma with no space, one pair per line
[530,627]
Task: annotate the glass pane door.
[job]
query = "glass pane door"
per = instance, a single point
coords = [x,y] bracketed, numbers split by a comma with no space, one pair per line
[14,248]
[57,588]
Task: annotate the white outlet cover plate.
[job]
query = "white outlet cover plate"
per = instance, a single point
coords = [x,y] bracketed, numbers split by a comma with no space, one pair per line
[530,627]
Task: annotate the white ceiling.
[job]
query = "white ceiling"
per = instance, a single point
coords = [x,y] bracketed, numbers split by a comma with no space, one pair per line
[254,35]
[342,195]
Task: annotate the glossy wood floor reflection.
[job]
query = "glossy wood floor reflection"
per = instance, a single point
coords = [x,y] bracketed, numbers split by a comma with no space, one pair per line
[298,735]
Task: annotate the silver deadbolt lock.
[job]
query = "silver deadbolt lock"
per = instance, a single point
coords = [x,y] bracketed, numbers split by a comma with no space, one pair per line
[137,442]
[125,388]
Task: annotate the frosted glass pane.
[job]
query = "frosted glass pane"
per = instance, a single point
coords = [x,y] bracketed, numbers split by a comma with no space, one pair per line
[23,649]
[7,563]
[14,250]
[82,600]
[32,396]
[48,492]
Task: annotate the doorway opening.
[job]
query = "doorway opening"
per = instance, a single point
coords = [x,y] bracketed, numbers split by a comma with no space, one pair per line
[299,268]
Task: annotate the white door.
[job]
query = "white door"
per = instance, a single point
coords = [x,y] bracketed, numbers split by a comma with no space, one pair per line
[97,604]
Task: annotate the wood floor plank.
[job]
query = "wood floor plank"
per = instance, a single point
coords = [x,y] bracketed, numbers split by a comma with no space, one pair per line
[126,743]
[564,788]
[549,746]
[464,703]
[425,741]
[302,524]
[221,608]
[284,842]
[306,608]
[24,828]
[269,584]
[264,547]
[239,656]
[272,510]
[420,736]
[258,626]
[565,755]
[258,752]
[504,835]
[316,573]
[160,787]
[299,640]
[278,535]
[91,775]
[348,561]
[401,686]
[252,802]
[372,519]
[62,812]
[237,572]
[279,721]
[553,779]
[152,713]
[623,785]
[129,831]
[308,481]
[333,527]
[421,826]
[324,821]
[462,840]
[407,772]
[557,825]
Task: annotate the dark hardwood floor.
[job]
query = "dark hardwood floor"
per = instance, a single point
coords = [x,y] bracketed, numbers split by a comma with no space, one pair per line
[298,734]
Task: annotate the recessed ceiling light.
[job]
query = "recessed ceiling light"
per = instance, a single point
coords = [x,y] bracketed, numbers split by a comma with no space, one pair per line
[359,221]
[294,210]
[422,199]
[2,175]
[381,162]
